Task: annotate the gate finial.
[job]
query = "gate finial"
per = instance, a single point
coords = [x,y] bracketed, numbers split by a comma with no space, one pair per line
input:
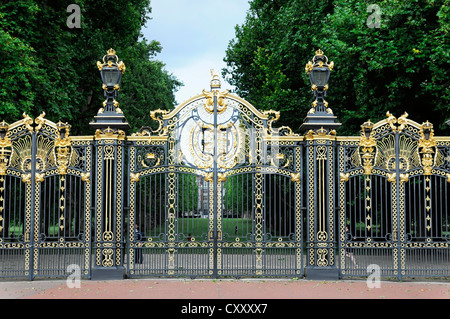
[215,82]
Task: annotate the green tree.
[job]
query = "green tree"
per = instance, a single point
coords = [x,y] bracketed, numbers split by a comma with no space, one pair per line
[403,66]
[47,66]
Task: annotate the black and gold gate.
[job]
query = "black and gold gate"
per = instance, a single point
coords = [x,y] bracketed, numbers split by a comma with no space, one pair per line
[215,191]
[45,199]
[393,200]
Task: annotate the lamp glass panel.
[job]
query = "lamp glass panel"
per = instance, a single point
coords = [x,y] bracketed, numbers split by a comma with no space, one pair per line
[320,77]
[111,77]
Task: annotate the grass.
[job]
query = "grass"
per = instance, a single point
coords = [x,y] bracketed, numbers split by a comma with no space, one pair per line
[198,227]
[16,230]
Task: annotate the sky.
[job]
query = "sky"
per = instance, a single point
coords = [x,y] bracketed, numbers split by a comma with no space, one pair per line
[194,35]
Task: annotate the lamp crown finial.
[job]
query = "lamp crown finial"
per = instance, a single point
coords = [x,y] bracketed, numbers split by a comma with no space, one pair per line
[215,81]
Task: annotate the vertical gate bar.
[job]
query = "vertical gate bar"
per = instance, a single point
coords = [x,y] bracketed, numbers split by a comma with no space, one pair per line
[131,212]
[331,201]
[215,270]
[298,211]
[397,263]
[31,210]
[87,207]
[342,212]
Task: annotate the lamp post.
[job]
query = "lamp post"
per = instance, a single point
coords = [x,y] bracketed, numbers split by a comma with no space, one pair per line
[110,115]
[320,125]
[320,115]
[109,176]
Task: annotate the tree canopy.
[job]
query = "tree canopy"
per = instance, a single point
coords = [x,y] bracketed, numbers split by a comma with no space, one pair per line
[402,66]
[47,66]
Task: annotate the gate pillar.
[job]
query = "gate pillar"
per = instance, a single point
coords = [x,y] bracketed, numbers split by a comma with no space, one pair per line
[321,240]
[110,123]
[108,205]
[320,125]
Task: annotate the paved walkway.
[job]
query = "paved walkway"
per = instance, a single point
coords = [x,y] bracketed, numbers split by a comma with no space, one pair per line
[198,289]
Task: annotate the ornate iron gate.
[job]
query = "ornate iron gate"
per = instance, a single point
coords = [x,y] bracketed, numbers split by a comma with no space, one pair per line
[393,200]
[215,190]
[205,189]
[45,199]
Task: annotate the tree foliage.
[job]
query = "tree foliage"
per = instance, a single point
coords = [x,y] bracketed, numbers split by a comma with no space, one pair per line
[47,66]
[402,66]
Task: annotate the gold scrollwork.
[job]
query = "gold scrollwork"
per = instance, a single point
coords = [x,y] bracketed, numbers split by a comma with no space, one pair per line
[134,177]
[40,121]
[367,147]
[221,103]
[322,257]
[108,257]
[404,178]
[63,147]
[85,177]
[111,53]
[427,147]
[6,149]
[344,177]
[392,120]
[157,115]
[391,177]
[221,177]
[27,121]
[209,177]
[295,177]
[109,133]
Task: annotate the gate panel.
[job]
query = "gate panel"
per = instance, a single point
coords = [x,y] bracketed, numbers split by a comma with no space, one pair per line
[221,166]
[371,207]
[62,222]
[427,230]
[170,203]
[16,142]
[393,200]
[13,223]
[45,200]
[241,231]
